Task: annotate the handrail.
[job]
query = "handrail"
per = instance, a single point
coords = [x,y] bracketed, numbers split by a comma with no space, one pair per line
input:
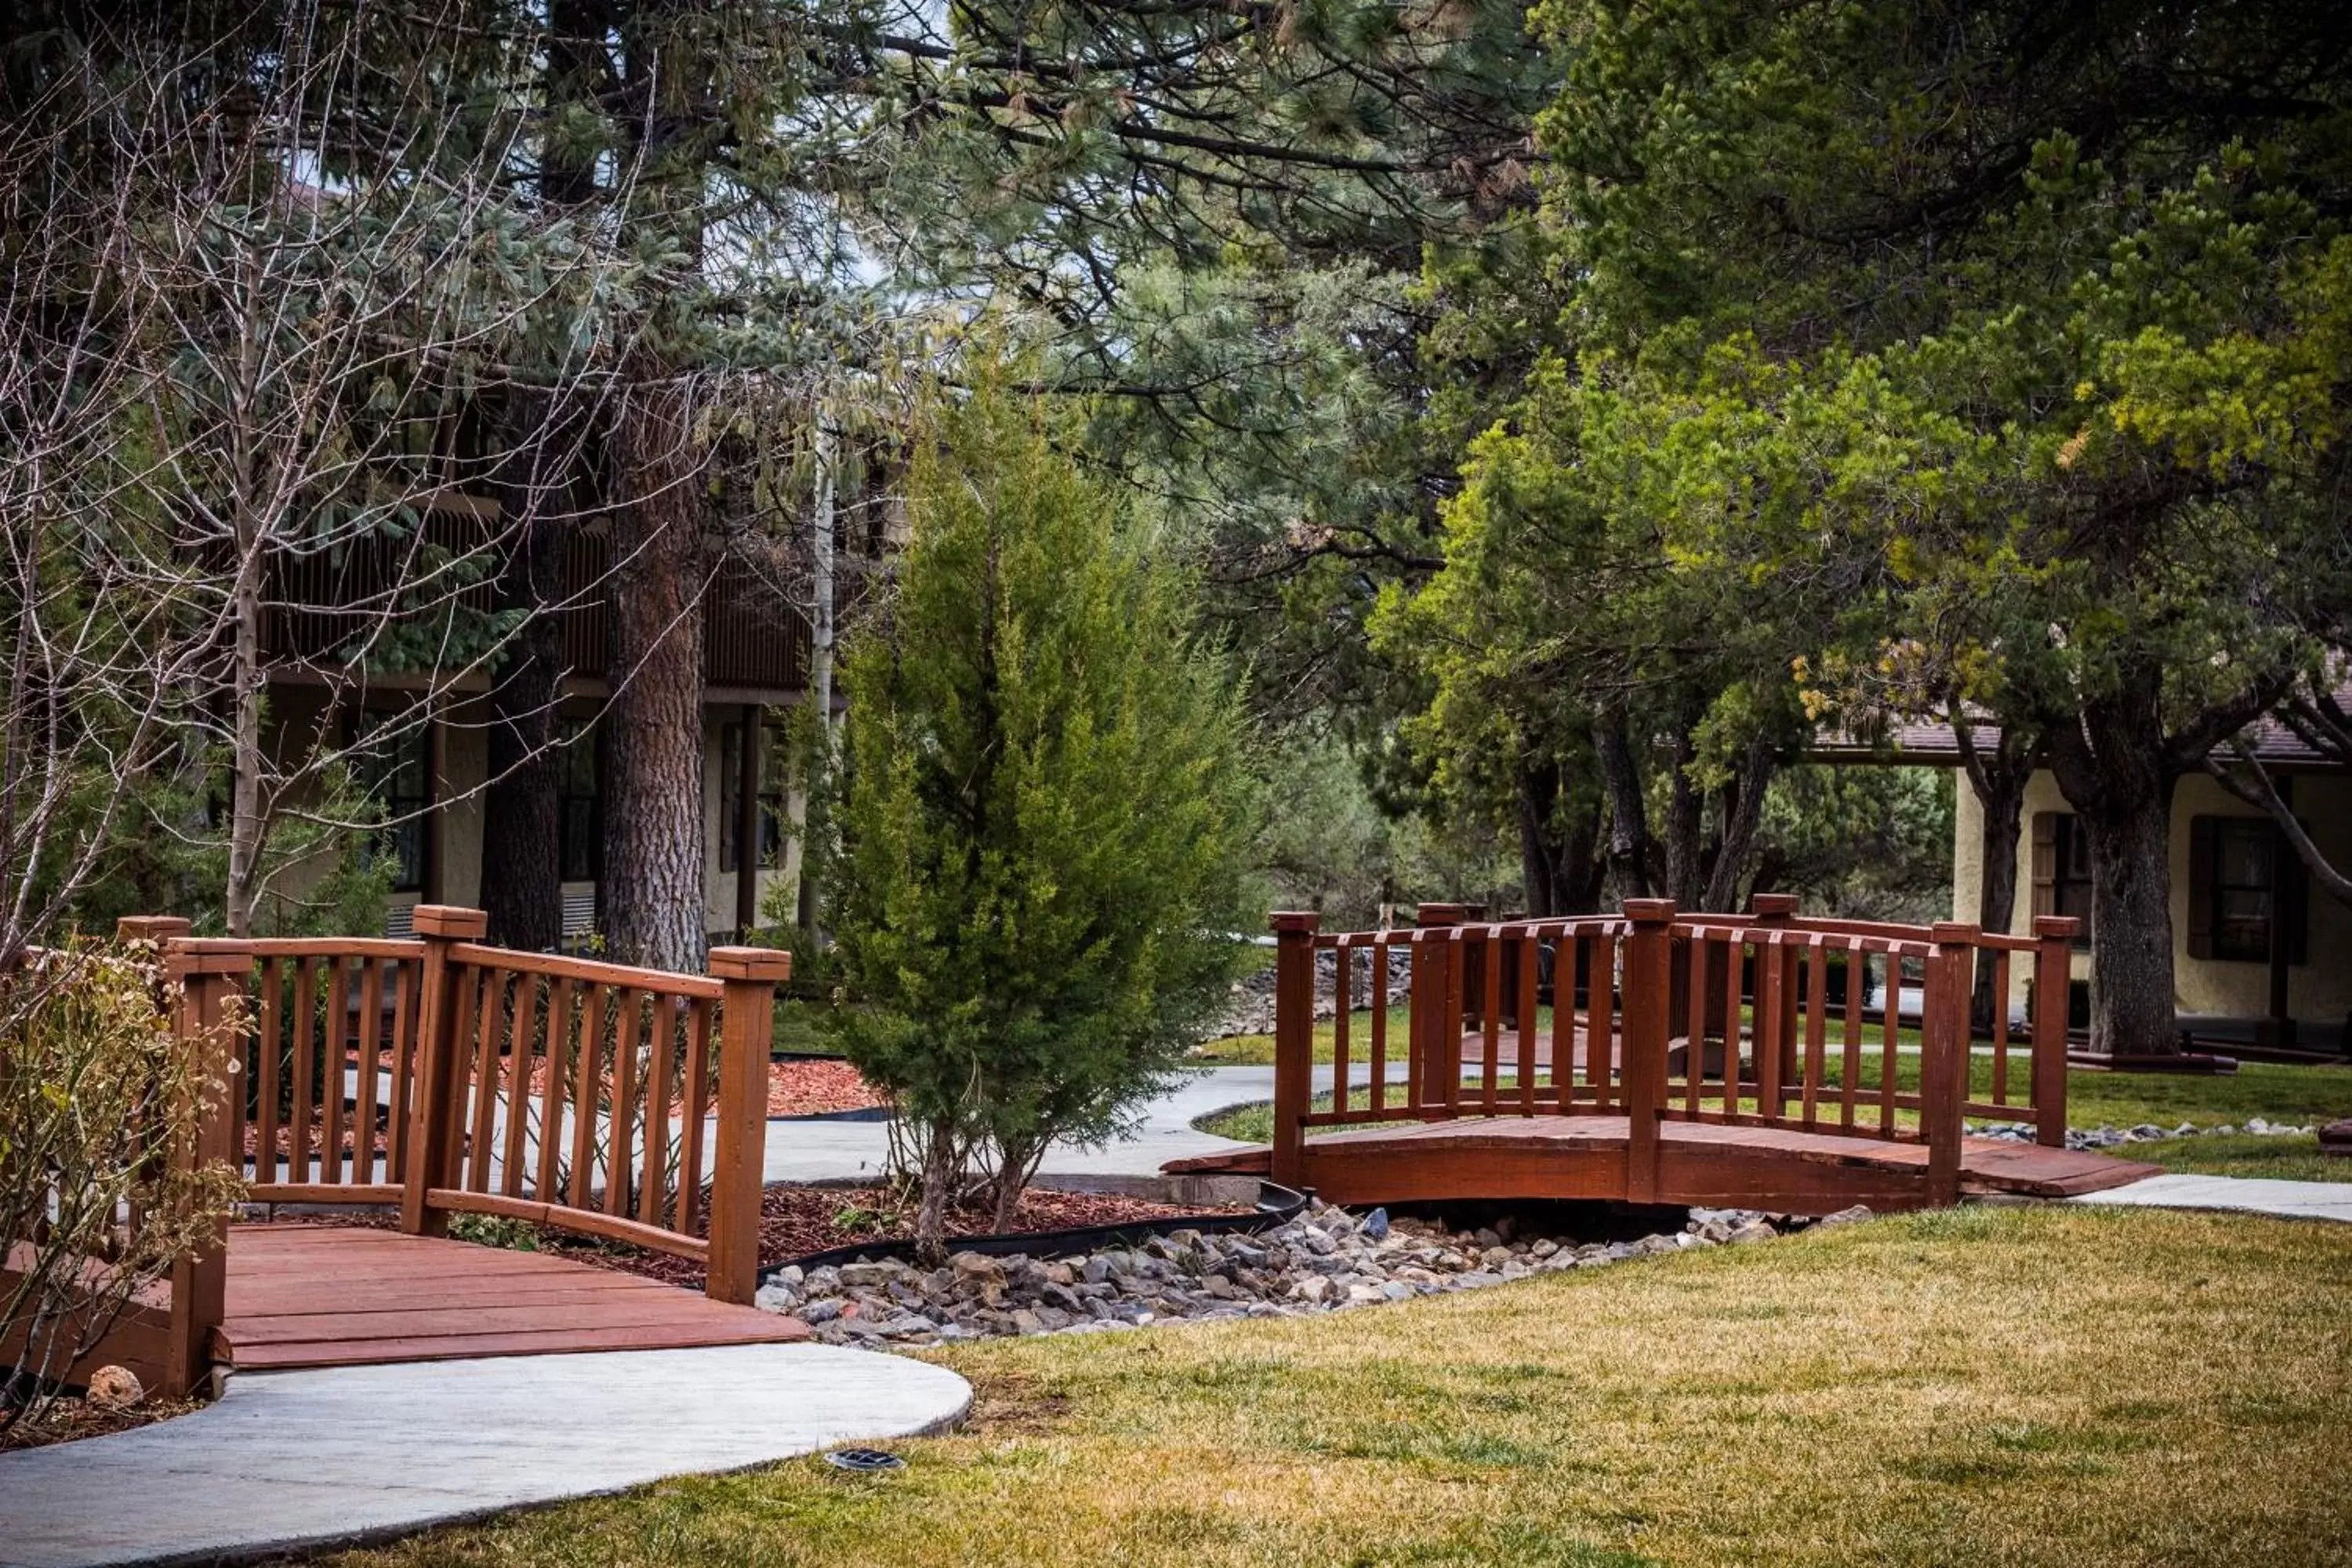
[621,1103]
[1766,1018]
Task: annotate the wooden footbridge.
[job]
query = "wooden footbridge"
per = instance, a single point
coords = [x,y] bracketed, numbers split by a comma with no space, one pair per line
[1764,1060]
[434,1076]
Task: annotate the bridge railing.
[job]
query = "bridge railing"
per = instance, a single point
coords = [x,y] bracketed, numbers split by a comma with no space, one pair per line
[442,1076]
[1763,1019]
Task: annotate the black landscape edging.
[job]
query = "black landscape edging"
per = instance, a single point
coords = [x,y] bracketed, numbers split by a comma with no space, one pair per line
[858,1113]
[1275,1206]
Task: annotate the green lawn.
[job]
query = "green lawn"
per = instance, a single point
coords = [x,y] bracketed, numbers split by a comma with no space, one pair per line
[1985,1385]
[2294,1158]
[2279,1093]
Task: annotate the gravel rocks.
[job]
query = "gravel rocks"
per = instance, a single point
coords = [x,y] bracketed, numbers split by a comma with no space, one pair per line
[1251,1011]
[2145,1132]
[1325,1260]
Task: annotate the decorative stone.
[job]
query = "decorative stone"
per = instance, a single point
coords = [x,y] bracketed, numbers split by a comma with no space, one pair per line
[115,1388]
[2335,1138]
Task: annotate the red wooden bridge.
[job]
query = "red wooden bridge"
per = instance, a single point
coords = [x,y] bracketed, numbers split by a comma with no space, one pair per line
[434,1075]
[1652,1057]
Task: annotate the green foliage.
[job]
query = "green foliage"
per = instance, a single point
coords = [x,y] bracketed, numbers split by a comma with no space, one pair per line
[97,1097]
[1047,810]
[1870,843]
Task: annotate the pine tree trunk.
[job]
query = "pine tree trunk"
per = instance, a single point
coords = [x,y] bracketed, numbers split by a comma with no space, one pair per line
[2003,808]
[522,884]
[1628,818]
[652,727]
[2110,763]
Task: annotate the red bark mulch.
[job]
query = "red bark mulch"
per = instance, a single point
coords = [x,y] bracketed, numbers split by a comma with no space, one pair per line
[813,1088]
[796,1221]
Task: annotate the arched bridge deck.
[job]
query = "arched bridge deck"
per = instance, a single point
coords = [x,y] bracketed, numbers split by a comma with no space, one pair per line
[1761,1060]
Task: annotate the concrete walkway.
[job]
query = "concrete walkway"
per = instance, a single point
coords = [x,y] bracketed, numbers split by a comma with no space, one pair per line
[820,1150]
[299,1460]
[2288,1200]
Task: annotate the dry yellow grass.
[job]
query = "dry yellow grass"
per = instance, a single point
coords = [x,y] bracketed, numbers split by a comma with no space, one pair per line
[1981,1386]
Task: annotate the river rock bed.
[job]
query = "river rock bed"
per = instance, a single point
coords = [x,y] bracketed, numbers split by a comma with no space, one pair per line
[1322,1261]
[2145,1132]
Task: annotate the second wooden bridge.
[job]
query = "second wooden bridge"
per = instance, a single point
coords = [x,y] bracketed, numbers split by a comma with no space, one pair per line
[1653,1056]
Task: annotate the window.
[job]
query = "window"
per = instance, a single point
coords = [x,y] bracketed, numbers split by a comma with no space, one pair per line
[393,761]
[2245,884]
[773,816]
[579,806]
[2062,870]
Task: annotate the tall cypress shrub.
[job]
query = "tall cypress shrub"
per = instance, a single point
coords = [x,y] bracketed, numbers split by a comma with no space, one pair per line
[1045,825]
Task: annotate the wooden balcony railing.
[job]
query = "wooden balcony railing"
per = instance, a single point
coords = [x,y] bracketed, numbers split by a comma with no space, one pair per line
[444,1077]
[1763,1019]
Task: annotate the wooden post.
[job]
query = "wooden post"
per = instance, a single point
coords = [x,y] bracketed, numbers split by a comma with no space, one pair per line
[1649,959]
[440,1108]
[1294,1041]
[738,1180]
[1944,1053]
[1436,1009]
[157,929]
[2053,979]
[1776,1001]
[207,976]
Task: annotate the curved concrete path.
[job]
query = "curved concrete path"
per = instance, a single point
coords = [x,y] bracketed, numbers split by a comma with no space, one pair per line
[819,1150]
[2244,1195]
[290,1460]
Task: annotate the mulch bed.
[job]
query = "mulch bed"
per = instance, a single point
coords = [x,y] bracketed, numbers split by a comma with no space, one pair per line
[796,1221]
[813,1088]
[70,1420]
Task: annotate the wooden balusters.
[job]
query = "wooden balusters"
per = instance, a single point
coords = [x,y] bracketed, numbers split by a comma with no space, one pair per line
[207,976]
[751,975]
[1649,958]
[1527,1014]
[2053,937]
[1378,1095]
[1294,1039]
[442,1016]
[1944,1054]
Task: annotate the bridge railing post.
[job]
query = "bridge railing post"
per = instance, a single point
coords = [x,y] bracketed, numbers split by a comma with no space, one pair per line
[1436,1006]
[1294,1041]
[1649,962]
[2054,980]
[207,976]
[1776,1001]
[440,1107]
[746,1023]
[1944,1053]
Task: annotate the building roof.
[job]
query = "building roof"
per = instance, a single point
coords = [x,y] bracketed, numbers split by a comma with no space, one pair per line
[1927,743]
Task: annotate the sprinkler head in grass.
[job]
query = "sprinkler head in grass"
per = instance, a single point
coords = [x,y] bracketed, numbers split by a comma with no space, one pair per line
[864,1462]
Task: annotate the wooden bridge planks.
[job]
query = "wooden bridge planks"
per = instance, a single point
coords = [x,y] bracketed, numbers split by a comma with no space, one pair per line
[308,1296]
[1583,1156]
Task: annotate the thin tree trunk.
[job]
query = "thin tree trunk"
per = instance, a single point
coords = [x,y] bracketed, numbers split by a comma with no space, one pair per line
[1685,816]
[1629,816]
[652,727]
[1537,795]
[820,645]
[939,1181]
[1996,892]
[1742,814]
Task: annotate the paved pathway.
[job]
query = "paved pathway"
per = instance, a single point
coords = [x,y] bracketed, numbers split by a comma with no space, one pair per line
[820,1150]
[2289,1200]
[293,1459]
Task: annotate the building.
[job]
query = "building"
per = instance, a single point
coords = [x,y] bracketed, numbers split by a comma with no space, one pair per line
[431,777]
[2258,958]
